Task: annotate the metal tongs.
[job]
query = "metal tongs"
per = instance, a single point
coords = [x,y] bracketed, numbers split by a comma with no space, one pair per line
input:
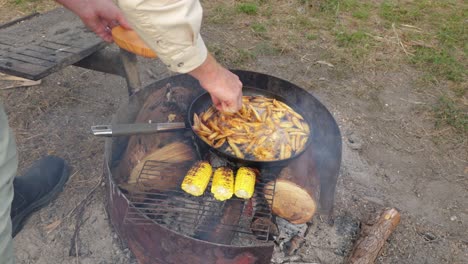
[116,130]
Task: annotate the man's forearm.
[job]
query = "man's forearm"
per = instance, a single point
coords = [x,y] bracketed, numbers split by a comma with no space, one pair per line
[172,29]
[207,71]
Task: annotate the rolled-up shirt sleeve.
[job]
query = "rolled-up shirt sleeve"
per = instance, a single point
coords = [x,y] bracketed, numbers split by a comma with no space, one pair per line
[171,28]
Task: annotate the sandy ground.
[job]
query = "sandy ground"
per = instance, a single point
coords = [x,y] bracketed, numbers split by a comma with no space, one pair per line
[389,160]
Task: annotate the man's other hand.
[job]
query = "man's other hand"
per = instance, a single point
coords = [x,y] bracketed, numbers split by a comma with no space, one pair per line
[100,16]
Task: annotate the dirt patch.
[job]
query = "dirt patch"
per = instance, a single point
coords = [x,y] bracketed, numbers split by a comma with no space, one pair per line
[393,155]
[55,118]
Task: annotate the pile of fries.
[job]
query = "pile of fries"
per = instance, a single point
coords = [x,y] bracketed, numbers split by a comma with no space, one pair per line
[265,129]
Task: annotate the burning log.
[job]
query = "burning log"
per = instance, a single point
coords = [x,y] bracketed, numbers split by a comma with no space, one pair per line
[373,237]
[293,245]
[219,228]
[260,224]
[162,169]
[167,146]
[294,192]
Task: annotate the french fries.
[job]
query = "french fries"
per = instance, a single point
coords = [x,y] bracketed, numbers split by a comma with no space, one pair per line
[264,129]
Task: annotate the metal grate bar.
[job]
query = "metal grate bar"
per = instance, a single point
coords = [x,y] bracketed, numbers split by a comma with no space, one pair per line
[189,215]
[207,227]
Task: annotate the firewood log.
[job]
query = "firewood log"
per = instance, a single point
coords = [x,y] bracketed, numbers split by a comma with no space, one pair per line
[165,169]
[260,226]
[373,237]
[219,229]
[295,190]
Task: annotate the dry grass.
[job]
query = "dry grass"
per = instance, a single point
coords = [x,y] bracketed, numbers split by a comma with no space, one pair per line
[40,118]
[360,35]
[364,36]
[13,9]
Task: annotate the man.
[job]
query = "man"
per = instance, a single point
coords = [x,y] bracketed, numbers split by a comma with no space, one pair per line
[171,29]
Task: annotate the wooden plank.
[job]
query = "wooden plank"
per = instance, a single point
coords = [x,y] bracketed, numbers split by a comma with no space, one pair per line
[38,55]
[6,40]
[4,47]
[60,47]
[46,43]
[21,69]
[29,59]
[27,70]
[5,43]
[12,63]
[69,60]
[85,38]
[84,41]
[48,51]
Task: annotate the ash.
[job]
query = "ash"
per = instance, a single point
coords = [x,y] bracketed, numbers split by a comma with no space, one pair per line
[245,237]
[246,240]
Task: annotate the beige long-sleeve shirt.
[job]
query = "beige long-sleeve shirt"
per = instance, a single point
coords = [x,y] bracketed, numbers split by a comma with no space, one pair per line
[171,28]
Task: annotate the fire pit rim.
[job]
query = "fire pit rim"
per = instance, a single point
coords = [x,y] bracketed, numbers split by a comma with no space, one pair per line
[114,191]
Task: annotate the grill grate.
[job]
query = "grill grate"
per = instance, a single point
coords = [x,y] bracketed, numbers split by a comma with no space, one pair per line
[194,216]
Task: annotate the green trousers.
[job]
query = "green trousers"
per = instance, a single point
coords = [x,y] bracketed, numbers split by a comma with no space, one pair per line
[8,167]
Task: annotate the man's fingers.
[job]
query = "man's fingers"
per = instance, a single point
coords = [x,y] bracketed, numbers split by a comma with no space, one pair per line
[123,22]
[216,102]
[239,102]
[113,23]
[226,107]
[99,27]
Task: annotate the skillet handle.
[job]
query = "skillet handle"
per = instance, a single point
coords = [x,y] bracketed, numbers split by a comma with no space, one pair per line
[135,129]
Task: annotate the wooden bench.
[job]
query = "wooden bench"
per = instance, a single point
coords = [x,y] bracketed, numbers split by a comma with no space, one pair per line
[39,45]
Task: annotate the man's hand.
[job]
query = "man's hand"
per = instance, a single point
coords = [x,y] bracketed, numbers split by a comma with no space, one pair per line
[224,86]
[99,16]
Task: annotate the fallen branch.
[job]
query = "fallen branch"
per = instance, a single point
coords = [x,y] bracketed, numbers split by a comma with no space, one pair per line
[79,206]
[74,250]
[373,237]
[18,82]
[412,27]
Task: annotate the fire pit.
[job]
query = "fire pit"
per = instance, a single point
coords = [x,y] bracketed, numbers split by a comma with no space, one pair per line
[161,224]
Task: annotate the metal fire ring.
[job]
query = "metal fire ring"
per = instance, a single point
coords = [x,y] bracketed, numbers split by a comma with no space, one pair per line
[155,243]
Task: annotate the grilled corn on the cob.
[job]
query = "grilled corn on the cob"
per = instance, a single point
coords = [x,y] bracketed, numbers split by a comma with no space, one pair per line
[197,178]
[245,183]
[222,186]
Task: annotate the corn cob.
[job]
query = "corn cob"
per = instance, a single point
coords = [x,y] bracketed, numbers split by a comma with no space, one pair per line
[245,183]
[222,186]
[197,178]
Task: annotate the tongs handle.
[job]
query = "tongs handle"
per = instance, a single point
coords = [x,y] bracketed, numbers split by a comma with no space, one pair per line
[134,129]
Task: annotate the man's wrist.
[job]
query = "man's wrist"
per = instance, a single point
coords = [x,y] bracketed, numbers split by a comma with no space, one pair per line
[207,71]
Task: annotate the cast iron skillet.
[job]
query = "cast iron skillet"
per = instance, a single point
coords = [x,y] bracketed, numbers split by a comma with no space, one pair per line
[203,102]
[199,105]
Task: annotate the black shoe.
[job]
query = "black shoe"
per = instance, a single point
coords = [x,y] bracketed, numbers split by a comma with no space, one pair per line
[36,188]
